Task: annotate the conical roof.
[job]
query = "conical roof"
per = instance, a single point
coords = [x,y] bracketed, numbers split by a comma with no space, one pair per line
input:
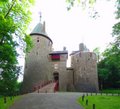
[40,30]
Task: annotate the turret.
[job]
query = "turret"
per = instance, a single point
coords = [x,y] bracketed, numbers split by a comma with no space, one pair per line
[37,66]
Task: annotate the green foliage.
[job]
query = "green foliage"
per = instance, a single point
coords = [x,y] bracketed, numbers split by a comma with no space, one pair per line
[116,27]
[8,81]
[101,102]
[9,103]
[3,0]
[28,40]
[109,68]
[83,3]
[97,52]
[15,16]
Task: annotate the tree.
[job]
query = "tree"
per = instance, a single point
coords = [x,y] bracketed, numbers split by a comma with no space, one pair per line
[83,3]
[97,52]
[15,16]
[116,27]
[109,68]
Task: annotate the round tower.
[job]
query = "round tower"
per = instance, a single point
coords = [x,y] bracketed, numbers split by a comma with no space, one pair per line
[37,66]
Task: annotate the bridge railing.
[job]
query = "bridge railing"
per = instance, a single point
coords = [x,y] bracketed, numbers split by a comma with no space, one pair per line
[41,85]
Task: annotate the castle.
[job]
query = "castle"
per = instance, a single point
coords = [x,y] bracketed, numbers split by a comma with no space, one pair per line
[44,64]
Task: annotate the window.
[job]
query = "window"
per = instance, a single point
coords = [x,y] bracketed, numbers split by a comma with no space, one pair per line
[56,66]
[55,57]
[37,39]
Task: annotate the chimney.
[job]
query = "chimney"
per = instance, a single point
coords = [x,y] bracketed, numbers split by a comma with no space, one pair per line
[64,48]
[81,47]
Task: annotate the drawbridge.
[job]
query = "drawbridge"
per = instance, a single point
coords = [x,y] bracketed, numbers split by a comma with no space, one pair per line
[47,87]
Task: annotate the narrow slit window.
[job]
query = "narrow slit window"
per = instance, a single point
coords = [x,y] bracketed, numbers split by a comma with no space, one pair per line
[37,39]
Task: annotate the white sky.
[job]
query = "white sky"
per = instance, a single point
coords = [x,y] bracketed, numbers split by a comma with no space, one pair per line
[69,28]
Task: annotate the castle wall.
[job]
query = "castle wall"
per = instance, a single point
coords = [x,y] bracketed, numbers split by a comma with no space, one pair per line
[37,66]
[85,71]
[70,75]
[70,79]
[60,67]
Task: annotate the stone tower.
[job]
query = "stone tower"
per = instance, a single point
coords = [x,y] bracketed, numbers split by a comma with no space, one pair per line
[84,68]
[37,65]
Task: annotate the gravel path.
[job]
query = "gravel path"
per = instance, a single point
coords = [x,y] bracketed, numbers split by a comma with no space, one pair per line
[48,101]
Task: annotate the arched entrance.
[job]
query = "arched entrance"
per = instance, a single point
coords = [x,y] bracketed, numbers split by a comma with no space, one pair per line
[56,80]
[56,76]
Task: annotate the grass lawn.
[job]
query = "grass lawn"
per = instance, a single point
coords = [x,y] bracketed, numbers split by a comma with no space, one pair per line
[110,91]
[9,102]
[101,102]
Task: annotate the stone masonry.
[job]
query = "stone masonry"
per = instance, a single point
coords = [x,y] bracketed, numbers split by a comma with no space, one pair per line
[43,64]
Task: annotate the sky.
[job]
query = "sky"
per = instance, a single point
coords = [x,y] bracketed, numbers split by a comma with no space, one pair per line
[69,28]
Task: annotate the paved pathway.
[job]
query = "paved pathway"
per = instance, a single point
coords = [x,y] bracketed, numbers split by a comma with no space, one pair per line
[48,101]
